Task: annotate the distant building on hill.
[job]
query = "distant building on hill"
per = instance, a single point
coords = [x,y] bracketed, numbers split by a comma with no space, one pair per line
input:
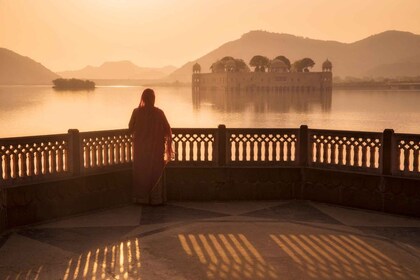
[277,79]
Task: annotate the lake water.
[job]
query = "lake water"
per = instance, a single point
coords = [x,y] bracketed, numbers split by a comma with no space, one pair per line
[38,110]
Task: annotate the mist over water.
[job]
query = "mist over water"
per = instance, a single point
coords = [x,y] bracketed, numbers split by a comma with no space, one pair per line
[41,110]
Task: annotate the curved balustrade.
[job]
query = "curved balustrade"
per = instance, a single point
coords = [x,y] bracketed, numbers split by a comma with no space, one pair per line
[351,150]
[194,146]
[24,159]
[105,149]
[407,158]
[248,146]
[28,159]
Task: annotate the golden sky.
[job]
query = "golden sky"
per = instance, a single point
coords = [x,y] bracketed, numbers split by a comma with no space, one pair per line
[70,34]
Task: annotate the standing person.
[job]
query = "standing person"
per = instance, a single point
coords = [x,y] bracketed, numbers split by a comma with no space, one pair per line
[152,139]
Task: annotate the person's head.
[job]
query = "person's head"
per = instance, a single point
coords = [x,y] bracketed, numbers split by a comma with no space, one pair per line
[147,98]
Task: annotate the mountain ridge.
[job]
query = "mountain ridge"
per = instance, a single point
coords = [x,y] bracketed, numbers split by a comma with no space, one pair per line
[365,57]
[123,69]
[16,69]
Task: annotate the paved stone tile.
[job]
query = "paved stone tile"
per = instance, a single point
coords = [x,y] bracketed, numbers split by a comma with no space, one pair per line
[77,240]
[409,235]
[359,217]
[120,216]
[25,258]
[294,211]
[172,213]
[229,207]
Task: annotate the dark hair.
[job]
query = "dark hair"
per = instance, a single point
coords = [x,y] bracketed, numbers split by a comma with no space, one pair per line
[147,98]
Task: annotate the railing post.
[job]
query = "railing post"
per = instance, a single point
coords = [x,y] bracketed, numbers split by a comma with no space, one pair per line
[387,151]
[303,146]
[222,145]
[74,152]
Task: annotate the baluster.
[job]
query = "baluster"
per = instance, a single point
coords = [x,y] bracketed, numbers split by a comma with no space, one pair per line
[53,161]
[235,146]
[200,145]
[191,149]
[111,152]
[259,151]
[348,151]
[23,169]
[416,161]
[129,151]
[206,151]
[364,155]
[325,152]
[59,160]
[333,153]
[94,149]
[372,155]
[117,152]
[289,151]
[407,160]
[1,166]
[356,149]
[318,152]
[106,155]
[340,148]
[15,167]
[30,166]
[45,163]
[87,156]
[242,150]
[38,161]
[184,151]
[267,151]
[398,159]
[251,150]
[176,151]
[100,156]
[7,169]
[281,154]
[123,152]
[274,150]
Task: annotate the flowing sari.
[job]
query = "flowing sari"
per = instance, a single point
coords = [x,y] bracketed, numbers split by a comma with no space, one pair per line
[152,138]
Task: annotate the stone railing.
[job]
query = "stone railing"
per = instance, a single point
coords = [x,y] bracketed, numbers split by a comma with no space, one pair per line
[42,158]
[26,159]
[347,150]
[406,154]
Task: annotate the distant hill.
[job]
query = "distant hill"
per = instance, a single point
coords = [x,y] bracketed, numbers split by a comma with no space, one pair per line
[390,54]
[16,69]
[119,70]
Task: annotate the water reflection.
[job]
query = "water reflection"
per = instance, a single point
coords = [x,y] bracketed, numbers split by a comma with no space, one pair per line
[263,102]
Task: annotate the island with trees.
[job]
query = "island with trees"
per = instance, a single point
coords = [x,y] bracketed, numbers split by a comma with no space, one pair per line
[73,84]
[263,75]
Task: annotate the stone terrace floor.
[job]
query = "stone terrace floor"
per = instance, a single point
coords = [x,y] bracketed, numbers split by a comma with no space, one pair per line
[217,240]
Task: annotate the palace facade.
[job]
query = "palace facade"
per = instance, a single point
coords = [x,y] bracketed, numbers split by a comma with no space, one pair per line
[277,80]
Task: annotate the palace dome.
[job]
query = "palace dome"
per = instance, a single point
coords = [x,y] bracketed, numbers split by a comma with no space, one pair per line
[327,64]
[277,65]
[196,67]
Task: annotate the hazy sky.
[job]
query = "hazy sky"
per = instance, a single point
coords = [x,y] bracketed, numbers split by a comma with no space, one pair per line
[70,34]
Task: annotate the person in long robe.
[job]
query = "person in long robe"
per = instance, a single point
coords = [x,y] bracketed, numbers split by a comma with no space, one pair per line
[152,138]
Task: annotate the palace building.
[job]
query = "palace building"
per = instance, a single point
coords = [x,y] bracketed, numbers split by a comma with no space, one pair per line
[277,79]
